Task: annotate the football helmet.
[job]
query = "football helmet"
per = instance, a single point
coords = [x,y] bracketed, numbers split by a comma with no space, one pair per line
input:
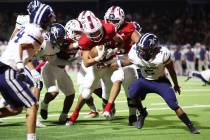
[57,34]
[42,16]
[147,46]
[84,14]
[32,5]
[137,26]
[74,29]
[92,26]
[116,15]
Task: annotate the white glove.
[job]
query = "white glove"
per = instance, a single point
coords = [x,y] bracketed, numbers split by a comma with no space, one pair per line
[20,65]
[110,53]
[36,75]
[101,51]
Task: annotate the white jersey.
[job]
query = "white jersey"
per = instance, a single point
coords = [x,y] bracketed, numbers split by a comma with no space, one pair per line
[47,48]
[154,68]
[21,21]
[30,34]
[206,74]
[50,52]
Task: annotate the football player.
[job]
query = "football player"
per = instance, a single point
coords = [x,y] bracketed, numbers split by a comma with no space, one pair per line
[122,76]
[204,76]
[101,35]
[74,31]
[18,54]
[55,49]
[152,60]
[21,21]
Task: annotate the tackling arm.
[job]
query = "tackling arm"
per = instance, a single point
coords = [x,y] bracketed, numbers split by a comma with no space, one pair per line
[172,73]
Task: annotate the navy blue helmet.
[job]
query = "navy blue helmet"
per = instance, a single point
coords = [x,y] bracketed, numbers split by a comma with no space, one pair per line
[57,34]
[137,26]
[147,46]
[43,16]
[32,5]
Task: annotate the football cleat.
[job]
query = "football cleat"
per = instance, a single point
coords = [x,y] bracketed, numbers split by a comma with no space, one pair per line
[43,111]
[63,118]
[69,123]
[92,114]
[108,115]
[141,118]
[133,121]
[193,130]
[189,76]
[39,124]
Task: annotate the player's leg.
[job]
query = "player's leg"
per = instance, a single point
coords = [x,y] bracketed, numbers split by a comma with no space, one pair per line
[65,84]
[8,111]
[136,92]
[167,93]
[36,87]
[116,78]
[90,102]
[17,94]
[130,76]
[52,89]
[91,80]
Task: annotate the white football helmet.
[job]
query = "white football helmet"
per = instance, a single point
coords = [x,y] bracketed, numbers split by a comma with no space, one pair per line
[116,15]
[92,26]
[74,29]
[84,14]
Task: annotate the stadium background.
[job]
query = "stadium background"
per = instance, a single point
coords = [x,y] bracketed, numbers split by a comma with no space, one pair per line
[175,21]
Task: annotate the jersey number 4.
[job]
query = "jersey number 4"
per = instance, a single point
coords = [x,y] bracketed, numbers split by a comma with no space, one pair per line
[19,35]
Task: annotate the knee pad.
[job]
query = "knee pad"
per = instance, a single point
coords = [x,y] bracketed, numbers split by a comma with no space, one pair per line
[118,75]
[53,89]
[86,93]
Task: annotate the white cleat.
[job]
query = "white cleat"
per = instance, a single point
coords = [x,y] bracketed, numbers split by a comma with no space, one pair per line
[69,123]
[108,115]
[39,124]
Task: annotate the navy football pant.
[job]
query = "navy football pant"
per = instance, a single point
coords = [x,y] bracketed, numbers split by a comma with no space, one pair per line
[15,92]
[140,87]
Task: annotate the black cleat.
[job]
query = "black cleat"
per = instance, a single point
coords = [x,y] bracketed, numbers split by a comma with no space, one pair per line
[141,117]
[44,114]
[193,130]
[133,121]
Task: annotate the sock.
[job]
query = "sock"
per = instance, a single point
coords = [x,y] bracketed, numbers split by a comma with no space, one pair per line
[31,136]
[108,107]
[184,118]
[132,107]
[44,106]
[75,115]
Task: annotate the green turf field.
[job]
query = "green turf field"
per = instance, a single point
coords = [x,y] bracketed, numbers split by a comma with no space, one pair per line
[161,124]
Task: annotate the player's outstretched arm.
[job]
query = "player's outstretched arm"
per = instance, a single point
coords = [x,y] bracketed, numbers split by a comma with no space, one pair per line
[170,67]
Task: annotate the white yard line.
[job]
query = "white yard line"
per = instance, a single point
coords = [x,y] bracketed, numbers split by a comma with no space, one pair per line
[149,109]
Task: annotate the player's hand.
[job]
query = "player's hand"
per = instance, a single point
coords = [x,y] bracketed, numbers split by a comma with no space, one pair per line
[36,75]
[177,89]
[101,51]
[20,71]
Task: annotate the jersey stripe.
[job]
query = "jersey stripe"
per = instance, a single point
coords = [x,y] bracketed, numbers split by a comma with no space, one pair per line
[35,39]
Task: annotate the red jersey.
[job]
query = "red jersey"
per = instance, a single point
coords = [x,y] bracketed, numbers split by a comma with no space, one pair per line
[109,32]
[125,32]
